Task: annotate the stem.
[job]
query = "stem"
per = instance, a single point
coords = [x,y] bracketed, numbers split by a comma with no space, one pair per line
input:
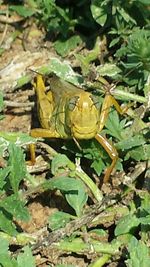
[79,246]
[88,181]
[101,261]
[129,96]
[21,239]
[118,92]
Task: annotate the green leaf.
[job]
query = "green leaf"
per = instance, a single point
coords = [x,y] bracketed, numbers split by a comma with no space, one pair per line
[137,57]
[134,141]
[125,15]
[26,258]
[108,69]
[62,183]
[17,166]
[126,224]
[145,220]
[4,246]
[5,259]
[58,220]
[16,207]
[144,2]
[60,163]
[3,174]
[63,47]
[22,10]
[23,80]
[99,11]
[84,63]
[17,138]
[92,55]
[138,254]
[145,200]
[1,50]
[62,70]
[77,201]
[6,224]
[114,42]
[99,232]
[98,165]
[114,126]
[140,153]
[74,190]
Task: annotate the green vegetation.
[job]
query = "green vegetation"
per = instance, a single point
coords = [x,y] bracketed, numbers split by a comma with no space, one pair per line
[102,41]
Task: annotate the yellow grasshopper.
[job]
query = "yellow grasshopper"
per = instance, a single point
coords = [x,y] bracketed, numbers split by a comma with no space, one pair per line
[66,111]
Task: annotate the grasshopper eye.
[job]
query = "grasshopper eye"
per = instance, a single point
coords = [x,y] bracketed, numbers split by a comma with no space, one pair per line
[73,102]
[95,101]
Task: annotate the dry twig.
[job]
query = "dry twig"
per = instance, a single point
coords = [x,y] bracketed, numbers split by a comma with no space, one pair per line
[74,225]
[18,104]
[5,29]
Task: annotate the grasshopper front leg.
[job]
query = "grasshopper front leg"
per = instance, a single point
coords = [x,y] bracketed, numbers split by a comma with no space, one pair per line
[109,101]
[40,132]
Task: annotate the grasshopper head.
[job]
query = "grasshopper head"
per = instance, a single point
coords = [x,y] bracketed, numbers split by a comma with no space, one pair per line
[83,116]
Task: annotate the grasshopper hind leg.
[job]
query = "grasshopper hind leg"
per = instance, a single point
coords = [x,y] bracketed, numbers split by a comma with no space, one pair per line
[112,152]
[45,108]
